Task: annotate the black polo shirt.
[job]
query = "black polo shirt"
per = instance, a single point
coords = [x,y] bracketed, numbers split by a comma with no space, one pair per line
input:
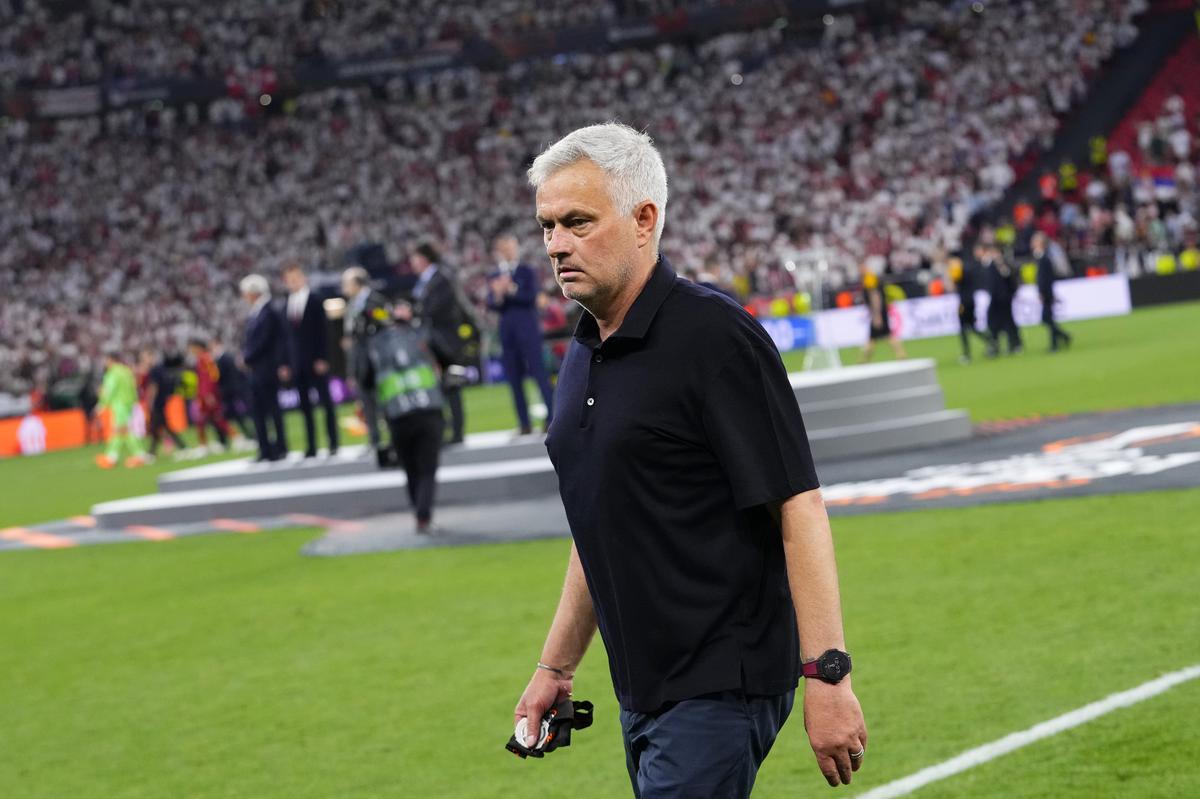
[669,439]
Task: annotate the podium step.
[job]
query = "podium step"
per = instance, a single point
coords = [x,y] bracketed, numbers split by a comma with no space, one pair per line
[346,496]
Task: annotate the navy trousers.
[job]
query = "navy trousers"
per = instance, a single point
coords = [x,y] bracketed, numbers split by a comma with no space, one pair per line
[521,353]
[306,380]
[709,747]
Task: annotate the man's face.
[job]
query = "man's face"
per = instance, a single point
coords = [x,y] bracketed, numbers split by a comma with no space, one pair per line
[294,279]
[506,249]
[249,298]
[418,262]
[349,287]
[592,247]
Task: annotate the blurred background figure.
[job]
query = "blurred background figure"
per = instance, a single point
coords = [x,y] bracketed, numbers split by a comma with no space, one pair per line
[118,393]
[208,394]
[966,282]
[367,312]
[159,380]
[235,400]
[1001,282]
[308,351]
[93,430]
[407,388]
[880,324]
[513,294]
[1046,276]
[265,356]
[441,314]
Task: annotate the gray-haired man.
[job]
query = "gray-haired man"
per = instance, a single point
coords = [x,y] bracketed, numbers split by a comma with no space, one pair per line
[701,550]
[265,355]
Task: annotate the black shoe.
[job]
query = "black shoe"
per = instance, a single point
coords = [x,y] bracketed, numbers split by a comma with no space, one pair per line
[310,453]
[526,430]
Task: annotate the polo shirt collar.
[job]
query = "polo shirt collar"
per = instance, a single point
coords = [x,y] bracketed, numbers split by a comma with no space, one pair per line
[641,313]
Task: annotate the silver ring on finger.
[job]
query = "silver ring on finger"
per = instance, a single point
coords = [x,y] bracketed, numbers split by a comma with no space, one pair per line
[859,754]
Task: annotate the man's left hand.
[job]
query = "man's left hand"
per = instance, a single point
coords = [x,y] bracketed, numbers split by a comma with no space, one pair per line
[836,729]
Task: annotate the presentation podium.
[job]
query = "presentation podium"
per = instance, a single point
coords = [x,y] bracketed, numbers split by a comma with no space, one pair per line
[848,412]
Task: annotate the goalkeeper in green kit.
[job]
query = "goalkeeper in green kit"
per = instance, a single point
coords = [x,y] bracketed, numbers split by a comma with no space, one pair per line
[118,393]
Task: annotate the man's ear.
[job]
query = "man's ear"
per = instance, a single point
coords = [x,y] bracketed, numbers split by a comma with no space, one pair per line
[645,216]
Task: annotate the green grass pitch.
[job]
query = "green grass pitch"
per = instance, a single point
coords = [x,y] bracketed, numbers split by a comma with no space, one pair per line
[228,666]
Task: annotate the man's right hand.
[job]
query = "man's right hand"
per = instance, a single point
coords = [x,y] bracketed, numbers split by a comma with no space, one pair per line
[545,690]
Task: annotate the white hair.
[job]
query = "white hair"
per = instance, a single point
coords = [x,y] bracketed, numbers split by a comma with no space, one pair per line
[359,275]
[255,284]
[628,158]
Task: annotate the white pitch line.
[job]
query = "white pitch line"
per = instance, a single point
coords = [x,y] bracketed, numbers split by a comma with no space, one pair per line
[1010,743]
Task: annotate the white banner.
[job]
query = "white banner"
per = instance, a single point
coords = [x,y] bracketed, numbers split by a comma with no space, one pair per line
[928,317]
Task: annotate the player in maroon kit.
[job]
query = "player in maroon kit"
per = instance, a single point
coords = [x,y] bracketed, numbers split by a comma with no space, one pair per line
[208,394]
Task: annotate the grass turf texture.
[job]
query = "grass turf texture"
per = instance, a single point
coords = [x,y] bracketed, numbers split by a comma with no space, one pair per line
[230,666]
[1147,358]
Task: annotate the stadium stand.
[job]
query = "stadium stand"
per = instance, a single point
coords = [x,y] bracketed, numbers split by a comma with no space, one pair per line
[872,143]
[1134,202]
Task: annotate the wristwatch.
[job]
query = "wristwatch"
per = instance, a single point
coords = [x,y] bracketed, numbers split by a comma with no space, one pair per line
[831,667]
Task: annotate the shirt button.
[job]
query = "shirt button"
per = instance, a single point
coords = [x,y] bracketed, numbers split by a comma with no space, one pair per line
[597,357]
[591,401]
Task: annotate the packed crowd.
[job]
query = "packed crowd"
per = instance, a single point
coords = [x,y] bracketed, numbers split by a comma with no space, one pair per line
[875,145]
[44,45]
[1139,211]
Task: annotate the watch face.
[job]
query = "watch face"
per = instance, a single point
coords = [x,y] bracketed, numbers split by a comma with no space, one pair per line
[834,666]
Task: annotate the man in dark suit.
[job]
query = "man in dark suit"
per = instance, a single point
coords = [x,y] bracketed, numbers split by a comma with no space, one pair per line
[513,293]
[441,314]
[966,280]
[308,355]
[367,312]
[1045,284]
[265,356]
[1001,282]
[232,384]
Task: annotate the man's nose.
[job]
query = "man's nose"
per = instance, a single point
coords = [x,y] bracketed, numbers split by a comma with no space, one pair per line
[559,244]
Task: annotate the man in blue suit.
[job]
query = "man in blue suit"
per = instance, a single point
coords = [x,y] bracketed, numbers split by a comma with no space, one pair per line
[265,356]
[308,352]
[513,293]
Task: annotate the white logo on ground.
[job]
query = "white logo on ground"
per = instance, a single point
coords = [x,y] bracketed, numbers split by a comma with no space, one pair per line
[1062,464]
[31,435]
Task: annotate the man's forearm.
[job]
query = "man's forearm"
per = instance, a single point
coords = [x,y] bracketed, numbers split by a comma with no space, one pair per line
[812,573]
[574,622]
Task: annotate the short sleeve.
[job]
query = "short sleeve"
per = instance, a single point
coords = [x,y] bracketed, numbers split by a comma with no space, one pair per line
[753,425]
